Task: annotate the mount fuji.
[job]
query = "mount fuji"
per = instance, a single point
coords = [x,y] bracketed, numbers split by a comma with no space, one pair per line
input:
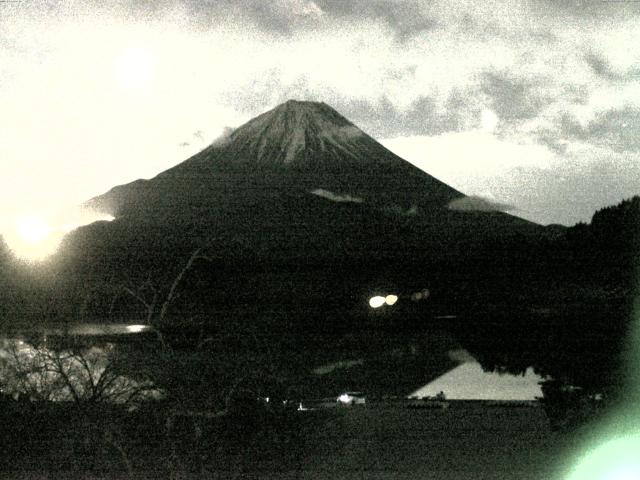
[300,182]
[309,147]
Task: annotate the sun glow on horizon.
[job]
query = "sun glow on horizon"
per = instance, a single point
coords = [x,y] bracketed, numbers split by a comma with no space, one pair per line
[33,229]
[34,237]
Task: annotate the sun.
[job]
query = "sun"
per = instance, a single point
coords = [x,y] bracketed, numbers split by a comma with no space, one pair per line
[32,238]
[32,229]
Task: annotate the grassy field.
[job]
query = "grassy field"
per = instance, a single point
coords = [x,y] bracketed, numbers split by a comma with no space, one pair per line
[376,441]
[466,441]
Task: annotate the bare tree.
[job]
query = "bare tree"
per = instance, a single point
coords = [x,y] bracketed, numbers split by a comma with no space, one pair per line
[79,374]
[148,293]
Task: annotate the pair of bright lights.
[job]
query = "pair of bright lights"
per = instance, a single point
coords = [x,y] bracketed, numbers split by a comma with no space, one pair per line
[379,301]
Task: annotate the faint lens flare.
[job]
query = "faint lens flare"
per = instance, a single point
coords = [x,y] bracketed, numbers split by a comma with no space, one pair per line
[617,459]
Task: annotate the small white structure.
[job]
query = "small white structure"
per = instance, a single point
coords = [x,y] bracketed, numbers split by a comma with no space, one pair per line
[351,398]
[302,408]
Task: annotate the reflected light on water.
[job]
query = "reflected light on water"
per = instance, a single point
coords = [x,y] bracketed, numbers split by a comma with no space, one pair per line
[136,328]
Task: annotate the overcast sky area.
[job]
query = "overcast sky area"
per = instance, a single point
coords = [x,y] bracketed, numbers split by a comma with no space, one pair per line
[533,104]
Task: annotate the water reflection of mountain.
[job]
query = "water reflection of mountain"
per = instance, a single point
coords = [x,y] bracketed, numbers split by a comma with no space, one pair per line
[382,369]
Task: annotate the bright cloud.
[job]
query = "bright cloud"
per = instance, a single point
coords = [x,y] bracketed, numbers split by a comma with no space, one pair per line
[457,158]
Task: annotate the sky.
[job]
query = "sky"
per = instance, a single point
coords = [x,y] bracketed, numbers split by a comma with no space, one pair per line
[531,104]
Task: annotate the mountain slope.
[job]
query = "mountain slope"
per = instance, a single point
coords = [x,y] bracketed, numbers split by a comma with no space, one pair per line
[302,181]
[308,141]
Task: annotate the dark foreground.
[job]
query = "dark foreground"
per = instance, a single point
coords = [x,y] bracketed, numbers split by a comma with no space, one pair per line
[378,441]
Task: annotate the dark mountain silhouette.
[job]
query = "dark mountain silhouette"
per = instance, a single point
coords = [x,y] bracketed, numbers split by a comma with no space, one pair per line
[308,146]
[301,217]
[301,181]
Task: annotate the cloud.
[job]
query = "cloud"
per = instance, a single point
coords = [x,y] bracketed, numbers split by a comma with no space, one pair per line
[463,158]
[601,66]
[342,364]
[406,18]
[476,203]
[385,120]
[603,10]
[336,197]
[514,98]
[282,16]
[223,138]
[199,134]
[461,356]
[554,144]
[423,116]
[279,17]
[618,129]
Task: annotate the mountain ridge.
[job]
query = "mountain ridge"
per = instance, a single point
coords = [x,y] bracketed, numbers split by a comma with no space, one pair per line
[334,196]
[293,132]
[302,145]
